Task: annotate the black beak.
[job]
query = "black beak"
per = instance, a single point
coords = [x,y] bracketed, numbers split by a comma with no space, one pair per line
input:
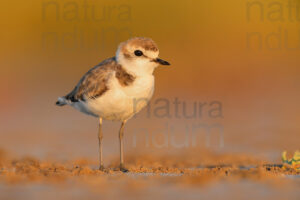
[161,61]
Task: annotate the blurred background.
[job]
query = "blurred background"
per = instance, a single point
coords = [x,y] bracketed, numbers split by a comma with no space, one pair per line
[235,69]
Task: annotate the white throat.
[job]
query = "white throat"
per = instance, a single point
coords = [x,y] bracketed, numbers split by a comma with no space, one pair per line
[137,67]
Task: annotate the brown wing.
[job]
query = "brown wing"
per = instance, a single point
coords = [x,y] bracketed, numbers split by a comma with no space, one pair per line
[94,83]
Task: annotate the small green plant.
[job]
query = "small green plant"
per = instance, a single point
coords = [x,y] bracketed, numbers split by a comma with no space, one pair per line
[294,162]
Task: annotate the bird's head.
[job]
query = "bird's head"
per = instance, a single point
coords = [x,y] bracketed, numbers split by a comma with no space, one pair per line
[139,55]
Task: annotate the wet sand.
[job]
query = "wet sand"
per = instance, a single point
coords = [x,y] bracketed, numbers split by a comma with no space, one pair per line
[213,176]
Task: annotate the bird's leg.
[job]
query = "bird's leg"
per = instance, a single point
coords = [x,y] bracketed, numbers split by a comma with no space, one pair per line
[100,136]
[121,134]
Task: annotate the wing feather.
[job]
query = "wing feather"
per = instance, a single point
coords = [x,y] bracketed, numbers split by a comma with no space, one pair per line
[94,83]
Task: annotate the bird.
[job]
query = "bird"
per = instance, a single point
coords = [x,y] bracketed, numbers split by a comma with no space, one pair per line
[117,88]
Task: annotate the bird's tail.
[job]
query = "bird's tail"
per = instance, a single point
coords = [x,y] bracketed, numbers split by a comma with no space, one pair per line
[61,101]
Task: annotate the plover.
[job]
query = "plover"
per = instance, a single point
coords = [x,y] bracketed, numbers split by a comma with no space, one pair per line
[118,87]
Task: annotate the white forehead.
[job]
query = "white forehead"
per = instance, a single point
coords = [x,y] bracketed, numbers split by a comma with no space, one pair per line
[146,45]
[149,53]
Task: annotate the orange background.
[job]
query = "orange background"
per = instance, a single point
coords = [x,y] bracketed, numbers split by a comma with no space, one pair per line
[206,43]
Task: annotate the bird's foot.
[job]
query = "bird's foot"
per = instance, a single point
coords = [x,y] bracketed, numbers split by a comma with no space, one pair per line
[123,169]
[101,168]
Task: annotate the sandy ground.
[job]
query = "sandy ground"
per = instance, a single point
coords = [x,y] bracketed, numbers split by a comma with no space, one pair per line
[51,152]
[213,176]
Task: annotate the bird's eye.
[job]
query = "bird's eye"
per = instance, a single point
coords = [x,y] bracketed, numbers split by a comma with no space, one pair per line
[138,52]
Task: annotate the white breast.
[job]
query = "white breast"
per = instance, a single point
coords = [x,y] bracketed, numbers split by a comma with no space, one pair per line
[122,102]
